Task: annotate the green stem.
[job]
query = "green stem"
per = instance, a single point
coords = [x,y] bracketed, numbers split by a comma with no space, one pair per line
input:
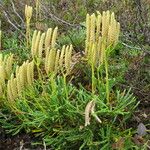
[93,80]
[27,34]
[65,84]
[99,75]
[107,78]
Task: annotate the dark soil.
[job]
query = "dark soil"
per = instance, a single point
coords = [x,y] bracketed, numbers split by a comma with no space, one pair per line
[21,141]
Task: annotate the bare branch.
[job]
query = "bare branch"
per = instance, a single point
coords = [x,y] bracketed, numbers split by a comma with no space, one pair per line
[134,41]
[8,19]
[55,18]
[16,12]
[6,15]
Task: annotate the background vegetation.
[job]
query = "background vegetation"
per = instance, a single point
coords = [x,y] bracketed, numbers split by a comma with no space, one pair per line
[51,112]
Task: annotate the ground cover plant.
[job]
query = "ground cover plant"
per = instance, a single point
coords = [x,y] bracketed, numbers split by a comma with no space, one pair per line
[65,90]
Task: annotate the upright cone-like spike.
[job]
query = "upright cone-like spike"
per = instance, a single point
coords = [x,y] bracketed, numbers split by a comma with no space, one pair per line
[57,61]
[41,45]
[98,26]
[33,43]
[87,33]
[48,39]
[54,37]
[9,92]
[28,15]
[37,43]
[51,60]
[61,60]
[2,76]
[13,87]
[102,31]
[92,29]
[9,64]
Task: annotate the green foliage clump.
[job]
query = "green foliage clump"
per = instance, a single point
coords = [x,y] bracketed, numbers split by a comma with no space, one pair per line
[55,111]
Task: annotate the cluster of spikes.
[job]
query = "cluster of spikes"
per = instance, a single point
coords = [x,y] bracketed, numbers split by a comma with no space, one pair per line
[23,77]
[28,13]
[41,43]
[59,61]
[6,67]
[102,32]
[44,48]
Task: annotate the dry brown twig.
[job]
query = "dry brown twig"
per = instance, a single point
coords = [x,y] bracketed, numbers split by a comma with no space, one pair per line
[12,21]
[55,18]
[13,5]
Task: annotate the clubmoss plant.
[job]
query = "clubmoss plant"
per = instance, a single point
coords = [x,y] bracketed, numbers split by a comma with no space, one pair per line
[102,32]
